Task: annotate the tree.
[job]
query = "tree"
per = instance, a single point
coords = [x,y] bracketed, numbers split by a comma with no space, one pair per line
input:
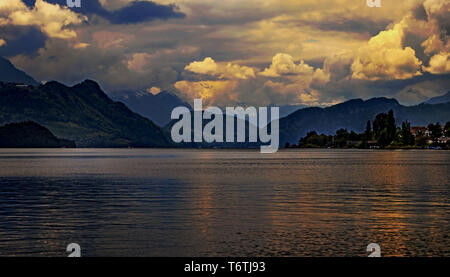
[435,130]
[340,140]
[421,141]
[447,128]
[379,124]
[384,128]
[368,132]
[383,139]
[391,127]
[313,139]
[406,137]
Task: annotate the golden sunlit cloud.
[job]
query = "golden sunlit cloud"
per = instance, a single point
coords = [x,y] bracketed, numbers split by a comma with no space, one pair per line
[439,64]
[81,45]
[208,91]
[207,66]
[385,58]
[283,64]
[293,85]
[229,71]
[52,19]
[154,90]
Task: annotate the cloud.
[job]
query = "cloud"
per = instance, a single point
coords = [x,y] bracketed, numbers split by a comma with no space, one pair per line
[80,45]
[384,57]
[138,62]
[283,64]
[131,12]
[111,40]
[289,83]
[317,42]
[2,42]
[53,20]
[432,44]
[207,66]
[229,71]
[64,63]
[211,92]
[141,11]
[21,40]
[439,64]
[296,77]
[418,43]
[295,92]
[154,90]
[423,90]
[256,92]
[339,66]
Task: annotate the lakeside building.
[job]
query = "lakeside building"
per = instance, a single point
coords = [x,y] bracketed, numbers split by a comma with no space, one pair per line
[420,131]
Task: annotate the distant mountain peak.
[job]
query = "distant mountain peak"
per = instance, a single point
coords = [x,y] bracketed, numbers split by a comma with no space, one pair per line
[439,99]
[382,100]
[348,103]
[360,103]
[54,84]
[10,74]
[90,84]
[156,107]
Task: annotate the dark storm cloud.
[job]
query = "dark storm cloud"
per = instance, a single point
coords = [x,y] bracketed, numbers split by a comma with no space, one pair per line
[441,17]
[141,11]
[415,42]
[134,12]
[420,13]
[21,40]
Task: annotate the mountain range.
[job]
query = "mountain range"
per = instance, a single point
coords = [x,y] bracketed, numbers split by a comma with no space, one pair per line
[85,114]
[354,114]
[82,113]
[158,107]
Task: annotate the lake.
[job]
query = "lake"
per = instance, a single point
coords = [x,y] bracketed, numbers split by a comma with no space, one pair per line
[161,202]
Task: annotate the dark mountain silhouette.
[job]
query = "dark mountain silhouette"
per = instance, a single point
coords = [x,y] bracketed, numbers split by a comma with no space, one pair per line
[30,135]
[353,116]
[9,73]
[83,113]
[439,99]
[157,108]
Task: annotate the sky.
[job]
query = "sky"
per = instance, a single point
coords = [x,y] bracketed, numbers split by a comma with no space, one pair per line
[236,52]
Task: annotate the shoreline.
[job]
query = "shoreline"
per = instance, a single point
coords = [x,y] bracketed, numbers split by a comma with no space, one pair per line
[225,148]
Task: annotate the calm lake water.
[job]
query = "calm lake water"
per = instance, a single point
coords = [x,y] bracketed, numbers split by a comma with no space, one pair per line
[137,202]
